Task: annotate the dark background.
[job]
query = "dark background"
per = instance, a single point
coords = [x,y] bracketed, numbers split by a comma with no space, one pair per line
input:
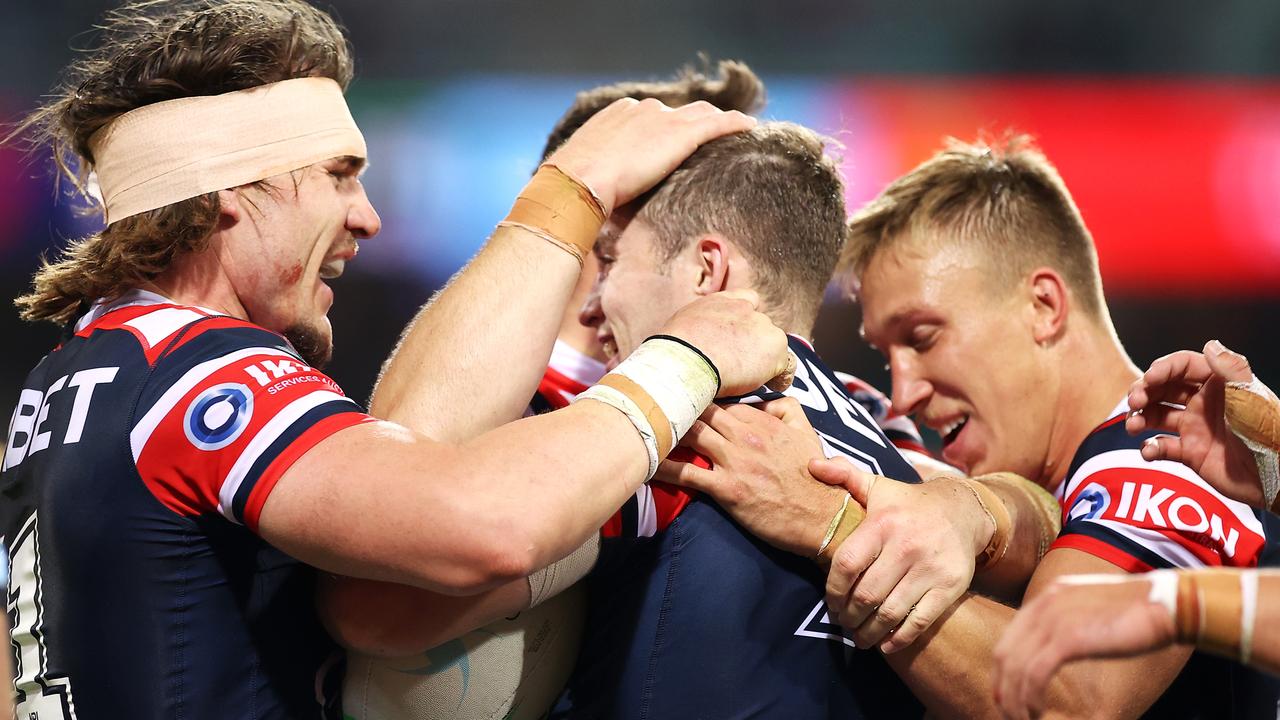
[485,60]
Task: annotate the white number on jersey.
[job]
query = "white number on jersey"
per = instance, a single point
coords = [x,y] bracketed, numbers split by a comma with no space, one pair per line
[38,698]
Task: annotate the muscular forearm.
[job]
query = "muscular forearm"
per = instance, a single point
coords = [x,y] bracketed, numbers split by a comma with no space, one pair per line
[949,668]
[472,357]
[391,620]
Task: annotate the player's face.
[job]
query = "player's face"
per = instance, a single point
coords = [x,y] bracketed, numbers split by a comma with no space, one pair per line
[634,294]
[303,238]
[962,356]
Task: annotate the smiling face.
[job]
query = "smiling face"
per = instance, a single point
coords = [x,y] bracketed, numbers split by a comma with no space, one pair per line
[962,354]
[298,239]
[634,294]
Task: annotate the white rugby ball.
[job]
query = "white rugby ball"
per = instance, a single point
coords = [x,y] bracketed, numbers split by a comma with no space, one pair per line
[511,670]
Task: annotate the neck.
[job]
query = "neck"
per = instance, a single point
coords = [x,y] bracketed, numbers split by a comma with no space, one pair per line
[197,279]
[1095,375]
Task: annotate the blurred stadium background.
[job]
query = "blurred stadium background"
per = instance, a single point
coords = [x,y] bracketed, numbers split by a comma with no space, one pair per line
[1164,119]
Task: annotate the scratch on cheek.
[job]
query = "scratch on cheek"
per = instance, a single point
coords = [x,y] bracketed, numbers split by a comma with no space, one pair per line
[292,275]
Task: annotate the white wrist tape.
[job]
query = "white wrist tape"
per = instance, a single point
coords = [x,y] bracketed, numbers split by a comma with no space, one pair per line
[680,382]
[1164,589]
[617,399]
[680,379]
[1264,455]
[1248,612]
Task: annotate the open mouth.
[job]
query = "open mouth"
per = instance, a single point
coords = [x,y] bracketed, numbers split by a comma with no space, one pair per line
[332,269]
[951,430]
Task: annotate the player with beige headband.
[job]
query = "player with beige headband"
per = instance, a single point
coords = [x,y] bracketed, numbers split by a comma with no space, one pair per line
[177,466]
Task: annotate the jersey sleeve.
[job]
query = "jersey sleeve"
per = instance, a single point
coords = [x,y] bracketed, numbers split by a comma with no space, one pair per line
[222,418]
[1143,515]
[654,506]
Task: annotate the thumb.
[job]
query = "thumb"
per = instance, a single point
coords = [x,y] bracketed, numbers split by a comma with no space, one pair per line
[1230,366]
[788,410]
[840,472]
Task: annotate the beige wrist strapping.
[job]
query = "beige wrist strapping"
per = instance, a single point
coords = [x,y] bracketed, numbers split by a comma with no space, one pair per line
[1253,414]
[993,506]
[1048,517]
[170,151]
[662,388]
[843,523]
[559,209]
[1215,609]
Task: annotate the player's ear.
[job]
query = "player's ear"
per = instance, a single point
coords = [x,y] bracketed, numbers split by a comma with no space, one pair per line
[230,206]
[1050,302]
[713,264]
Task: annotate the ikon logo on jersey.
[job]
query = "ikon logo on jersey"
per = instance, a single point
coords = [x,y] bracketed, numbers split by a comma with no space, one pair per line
[217,416]
[1171,505]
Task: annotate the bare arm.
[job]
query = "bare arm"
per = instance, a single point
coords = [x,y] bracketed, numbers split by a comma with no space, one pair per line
[950,667]
[381,502]
[1047,632]
[493,326]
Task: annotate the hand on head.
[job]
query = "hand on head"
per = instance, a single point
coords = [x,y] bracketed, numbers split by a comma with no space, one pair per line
[630,146]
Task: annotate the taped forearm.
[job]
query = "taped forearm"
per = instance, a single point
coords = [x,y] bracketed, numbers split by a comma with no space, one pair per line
[1217,610]
[1027,520]
[494,324]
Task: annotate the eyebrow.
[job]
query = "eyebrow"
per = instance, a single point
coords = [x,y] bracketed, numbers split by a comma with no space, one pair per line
[352,164]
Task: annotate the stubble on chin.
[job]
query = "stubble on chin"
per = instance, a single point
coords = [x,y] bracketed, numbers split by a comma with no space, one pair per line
[315,346]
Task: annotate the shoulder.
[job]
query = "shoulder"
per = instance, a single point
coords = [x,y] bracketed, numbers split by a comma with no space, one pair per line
[1141,514]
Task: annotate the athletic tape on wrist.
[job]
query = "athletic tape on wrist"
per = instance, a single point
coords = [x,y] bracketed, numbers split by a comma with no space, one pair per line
[559,209]
[662,388]
[1164,590]
[834,524]
[1002,536]
[1216,610]
[1253,413]
[679,378]
[616,399]
[1248,612]
[1049,512]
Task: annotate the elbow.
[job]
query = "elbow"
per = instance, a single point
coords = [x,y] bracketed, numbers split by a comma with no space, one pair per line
[494,559]
[365,616]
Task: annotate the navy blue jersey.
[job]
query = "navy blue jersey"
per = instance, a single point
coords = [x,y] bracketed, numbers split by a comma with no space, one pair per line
[138,459]
[705,621]
[1143,515]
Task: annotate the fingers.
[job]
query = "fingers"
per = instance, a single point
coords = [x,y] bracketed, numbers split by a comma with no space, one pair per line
[1230,366]
[686,475]
[706,440]
[841,472]
[1159,416]
[723,421]
[788,410]
[1162,447]
[1167,376]
[920,618]
[853,557]
[891,596]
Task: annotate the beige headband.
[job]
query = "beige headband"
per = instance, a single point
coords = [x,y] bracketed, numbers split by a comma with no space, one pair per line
[169,151]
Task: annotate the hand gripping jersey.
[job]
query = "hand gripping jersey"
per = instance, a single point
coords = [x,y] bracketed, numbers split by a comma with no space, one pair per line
[704,621]
[1143,515]
[138,460]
